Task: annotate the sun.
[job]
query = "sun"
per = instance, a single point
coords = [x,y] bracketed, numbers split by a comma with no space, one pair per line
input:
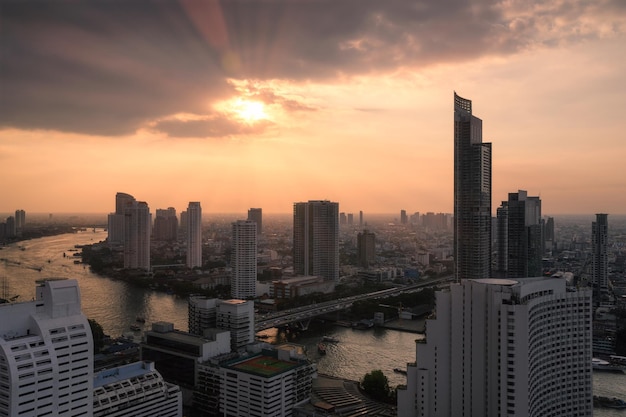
[249,110]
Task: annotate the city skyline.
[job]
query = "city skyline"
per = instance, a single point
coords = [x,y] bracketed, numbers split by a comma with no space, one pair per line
[295,100]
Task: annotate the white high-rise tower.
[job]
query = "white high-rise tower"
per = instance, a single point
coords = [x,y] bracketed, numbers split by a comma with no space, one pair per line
[137,231]
[194,235]
[243,260]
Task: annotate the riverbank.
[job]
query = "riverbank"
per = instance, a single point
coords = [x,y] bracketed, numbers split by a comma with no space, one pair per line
[411,326]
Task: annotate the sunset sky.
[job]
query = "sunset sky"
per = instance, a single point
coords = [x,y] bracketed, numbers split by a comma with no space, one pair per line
[261,103]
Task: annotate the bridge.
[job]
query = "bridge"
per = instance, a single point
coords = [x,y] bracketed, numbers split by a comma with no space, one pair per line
[303,315]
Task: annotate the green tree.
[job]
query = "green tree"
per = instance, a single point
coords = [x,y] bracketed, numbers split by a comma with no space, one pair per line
[98,335]
[376,385]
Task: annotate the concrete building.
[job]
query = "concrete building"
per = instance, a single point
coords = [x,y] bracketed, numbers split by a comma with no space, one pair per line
[472,194]
[236,316]
[316,239]
[500,347]
[46,354]
[135,390]
[166,224]
[115,226]
[194,235]
[137,232]
[366,248]
[202,313]
[600,256]
[256,215]
[404,219]
[299,286]
[243,259]
[20,221]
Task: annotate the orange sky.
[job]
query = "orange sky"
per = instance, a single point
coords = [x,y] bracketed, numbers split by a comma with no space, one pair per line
[189,103]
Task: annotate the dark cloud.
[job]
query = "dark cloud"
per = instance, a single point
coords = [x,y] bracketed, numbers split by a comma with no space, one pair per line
[110,66]
[215,126]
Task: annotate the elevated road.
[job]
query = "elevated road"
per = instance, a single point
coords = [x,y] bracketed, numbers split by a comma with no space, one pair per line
[305,313]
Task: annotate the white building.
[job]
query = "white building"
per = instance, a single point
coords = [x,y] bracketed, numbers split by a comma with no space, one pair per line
[116,219]
[237,316]
[46,354]
[194,235]
[502,347]
[136,390]
[202,312]
[243,259]
[137,231]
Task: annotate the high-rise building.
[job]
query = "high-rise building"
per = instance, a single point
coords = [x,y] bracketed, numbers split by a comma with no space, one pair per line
[403,217]
[519,237]
[472,194]
[20,221]
[350,219]
[548,234]
[194,235]
[202,312]
[316,239]
[600,256]
[243,259]
[165,224]
[236,316]
[361,218]
[115,226]
[137,231]
[504,347]
[256,215]
[135,390]
[11,229]
[343,220]
[366,248]
[46,354]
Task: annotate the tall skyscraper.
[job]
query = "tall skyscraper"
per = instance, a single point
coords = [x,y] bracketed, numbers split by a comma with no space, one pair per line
[316,239]
[243,260]
[137,231]
[366,248]
[600,256]
[519,237]
[116,220]
[403,217]
[46,354]
[500,347]
[361,218]
[165,224]
[20,221]
[194,235]
[472,194]
[256,215]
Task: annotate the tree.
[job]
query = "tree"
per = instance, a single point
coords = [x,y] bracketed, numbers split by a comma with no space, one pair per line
[98,335]
[376,385]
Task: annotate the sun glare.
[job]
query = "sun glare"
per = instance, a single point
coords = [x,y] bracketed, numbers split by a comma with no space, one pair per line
[250,111]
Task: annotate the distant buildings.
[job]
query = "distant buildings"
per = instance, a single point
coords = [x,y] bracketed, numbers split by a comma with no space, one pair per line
[46,354]
[116,220]
[20,221]
[194,235]
[166,224]
[504,347]
[243,259]
[472,194]
[519,237]
[366,248]
[137,232]
[256,215]
[316,239]
[404,219]
[599,256]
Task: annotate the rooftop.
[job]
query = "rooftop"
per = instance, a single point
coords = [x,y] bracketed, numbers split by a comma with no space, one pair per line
[121,373]
[263,365]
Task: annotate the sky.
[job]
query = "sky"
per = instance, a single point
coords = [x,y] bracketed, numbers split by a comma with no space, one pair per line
[262,103]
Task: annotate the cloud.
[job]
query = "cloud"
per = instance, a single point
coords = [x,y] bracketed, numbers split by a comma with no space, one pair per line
[215,125]
[109,67]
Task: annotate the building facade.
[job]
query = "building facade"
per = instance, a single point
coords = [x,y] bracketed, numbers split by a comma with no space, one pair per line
[256,215]
[194,235]
[135,390]
[137,233]
[500,347]
[46,354]
[243,259]
[366,248]
[115,226]
[165,224]
[316,239]
[600,256]
[472,194]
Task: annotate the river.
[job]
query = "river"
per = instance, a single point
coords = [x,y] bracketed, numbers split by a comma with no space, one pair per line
[116,306]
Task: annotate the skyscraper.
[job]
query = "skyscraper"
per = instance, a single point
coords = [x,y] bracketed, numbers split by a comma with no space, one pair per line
[316,239]
[20,221]
[137,231]
[504,347]
[600,256]
[256,215]
[366,248]
[194,235]
[243,260]
[519,237]
[116,220]
[403,217]
[165,224]
[472,194]
[46,354]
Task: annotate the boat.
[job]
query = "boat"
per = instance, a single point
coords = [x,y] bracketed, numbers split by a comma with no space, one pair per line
[140,320]
[330,339]
[609,402]
[134,328]
[321,348]
[400,371]
[605,366]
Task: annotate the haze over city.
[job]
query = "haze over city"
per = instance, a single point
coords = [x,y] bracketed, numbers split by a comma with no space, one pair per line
[259,104]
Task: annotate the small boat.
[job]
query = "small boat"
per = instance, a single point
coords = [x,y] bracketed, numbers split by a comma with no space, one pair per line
[400,371]
[615,403]
[330,339]
[134,328]
[321,348]
[606,366]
